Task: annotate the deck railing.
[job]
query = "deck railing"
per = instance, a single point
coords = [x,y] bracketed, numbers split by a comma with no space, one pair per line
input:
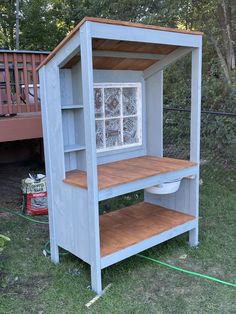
[19,84]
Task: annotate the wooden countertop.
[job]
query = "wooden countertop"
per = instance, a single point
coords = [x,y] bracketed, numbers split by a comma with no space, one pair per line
[129,170]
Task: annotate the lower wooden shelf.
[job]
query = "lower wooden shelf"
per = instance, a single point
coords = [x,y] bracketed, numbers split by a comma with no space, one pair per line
[130,225]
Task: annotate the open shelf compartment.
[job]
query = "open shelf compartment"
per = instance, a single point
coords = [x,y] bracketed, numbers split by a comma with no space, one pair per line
[130,229]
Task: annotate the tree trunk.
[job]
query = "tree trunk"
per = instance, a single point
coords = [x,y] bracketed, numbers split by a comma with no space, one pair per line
[222,39]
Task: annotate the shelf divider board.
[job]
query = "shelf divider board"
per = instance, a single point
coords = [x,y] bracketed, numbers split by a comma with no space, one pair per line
[73,148]
[132,229]
[72,106]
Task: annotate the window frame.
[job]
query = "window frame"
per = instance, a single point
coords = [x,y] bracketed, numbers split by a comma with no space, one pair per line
[139,114]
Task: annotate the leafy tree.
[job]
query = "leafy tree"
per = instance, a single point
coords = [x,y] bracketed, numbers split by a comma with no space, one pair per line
[217,20]
[45,22]
[41,25]
[7,24]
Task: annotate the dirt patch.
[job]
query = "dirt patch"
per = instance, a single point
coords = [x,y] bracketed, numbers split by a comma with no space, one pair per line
[24,287]
[10,181]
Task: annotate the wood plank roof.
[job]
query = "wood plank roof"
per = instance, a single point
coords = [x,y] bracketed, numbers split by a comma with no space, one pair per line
[120,62]
[131,46]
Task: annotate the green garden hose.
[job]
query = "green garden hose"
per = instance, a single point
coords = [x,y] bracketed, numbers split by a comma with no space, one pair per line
[47,249]
[23,216]
[187,271]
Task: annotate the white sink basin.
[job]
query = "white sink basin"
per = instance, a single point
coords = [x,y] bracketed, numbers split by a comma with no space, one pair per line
[165,188]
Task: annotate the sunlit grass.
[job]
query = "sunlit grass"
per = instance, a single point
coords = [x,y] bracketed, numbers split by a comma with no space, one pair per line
[30,283]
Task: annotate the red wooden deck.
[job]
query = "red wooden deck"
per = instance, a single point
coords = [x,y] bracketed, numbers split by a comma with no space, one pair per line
[19,94]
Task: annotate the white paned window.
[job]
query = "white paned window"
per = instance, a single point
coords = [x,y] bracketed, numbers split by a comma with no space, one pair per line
[118,115]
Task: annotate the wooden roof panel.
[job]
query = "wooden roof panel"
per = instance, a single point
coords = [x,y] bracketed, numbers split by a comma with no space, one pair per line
[110,63]
[115,63]
[131,46]
[113,22]
[123,63]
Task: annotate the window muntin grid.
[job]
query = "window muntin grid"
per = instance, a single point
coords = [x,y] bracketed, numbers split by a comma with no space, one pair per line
[118,115]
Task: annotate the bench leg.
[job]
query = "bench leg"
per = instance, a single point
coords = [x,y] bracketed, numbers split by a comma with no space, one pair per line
[96,279]
[193,237]
[54,253]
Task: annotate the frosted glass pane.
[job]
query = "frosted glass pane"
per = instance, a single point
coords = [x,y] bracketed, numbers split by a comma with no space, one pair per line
[117,115]
[112,102]
[129,101]
[98,103]
[113,132]
[130,130]
[99,125]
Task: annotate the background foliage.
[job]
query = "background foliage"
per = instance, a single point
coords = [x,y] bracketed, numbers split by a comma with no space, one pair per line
[43,24]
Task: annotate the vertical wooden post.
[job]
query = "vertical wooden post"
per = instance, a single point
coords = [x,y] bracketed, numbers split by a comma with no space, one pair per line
[42,57]
[7,80]
[35,84]
[195,136]
[154,112]
[17,85]
[91,160]
[26,83]
[47,151]
[196,104]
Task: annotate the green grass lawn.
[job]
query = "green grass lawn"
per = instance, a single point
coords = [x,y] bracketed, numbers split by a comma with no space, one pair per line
[30,283]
